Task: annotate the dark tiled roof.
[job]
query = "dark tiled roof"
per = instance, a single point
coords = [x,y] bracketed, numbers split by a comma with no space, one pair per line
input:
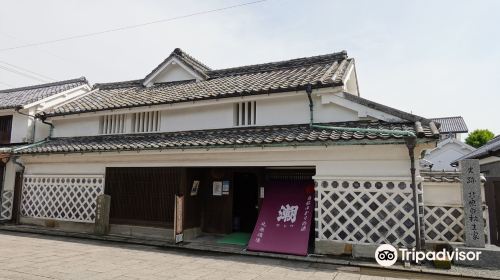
[444,177]
[233,137]
[190,61]
[320,71]
[16,97]
[490,148]
[389,110]
[451,125]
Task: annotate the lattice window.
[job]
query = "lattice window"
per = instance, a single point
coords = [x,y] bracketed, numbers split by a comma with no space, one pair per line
[7,200]
[365,211]
[446,223]
[59,197]
[146,121]
[245,113]
[112,124]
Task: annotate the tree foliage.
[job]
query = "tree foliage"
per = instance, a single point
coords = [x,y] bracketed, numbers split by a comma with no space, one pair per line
[479,137]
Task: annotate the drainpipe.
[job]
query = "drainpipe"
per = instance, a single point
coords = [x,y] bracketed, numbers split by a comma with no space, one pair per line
[311,104]
[411,141]
[43,118]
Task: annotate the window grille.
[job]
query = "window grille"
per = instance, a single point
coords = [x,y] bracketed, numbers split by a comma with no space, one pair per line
[112,124]
[245,113]
[146,121]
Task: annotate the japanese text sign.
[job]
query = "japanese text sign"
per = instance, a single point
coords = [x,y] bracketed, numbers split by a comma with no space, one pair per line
[473,212]
[284,219]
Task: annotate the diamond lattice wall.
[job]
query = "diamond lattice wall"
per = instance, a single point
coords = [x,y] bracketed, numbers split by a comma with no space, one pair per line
[6,200]
[66,198]
[365,211]
[446,223]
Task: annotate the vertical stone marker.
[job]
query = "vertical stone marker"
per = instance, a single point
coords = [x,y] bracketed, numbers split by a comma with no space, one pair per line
[473,209]
[101,226]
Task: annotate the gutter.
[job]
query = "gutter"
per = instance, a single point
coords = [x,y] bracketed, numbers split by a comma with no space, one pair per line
[411,141]
[42,118]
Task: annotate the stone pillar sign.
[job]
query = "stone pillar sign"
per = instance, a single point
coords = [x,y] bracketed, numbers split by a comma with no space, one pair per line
[473,208]
[102,214]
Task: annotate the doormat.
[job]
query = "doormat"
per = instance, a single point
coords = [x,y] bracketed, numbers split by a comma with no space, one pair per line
[235,238]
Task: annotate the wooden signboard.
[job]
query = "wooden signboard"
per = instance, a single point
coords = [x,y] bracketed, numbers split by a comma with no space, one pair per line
[178,219]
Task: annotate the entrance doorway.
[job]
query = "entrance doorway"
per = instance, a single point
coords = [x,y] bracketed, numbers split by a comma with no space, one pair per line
[143,196]
[245,202]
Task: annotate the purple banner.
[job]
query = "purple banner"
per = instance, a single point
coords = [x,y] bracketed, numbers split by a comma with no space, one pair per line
[285,219]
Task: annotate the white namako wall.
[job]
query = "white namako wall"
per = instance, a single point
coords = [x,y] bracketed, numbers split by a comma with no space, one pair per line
[351,163]
[446,152]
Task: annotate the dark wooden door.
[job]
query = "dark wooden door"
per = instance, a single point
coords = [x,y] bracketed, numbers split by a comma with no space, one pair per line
[245,202]
[5,129]
[143,195]
[217,210]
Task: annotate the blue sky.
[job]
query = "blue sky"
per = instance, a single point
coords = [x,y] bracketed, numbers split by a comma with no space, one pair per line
[432,58]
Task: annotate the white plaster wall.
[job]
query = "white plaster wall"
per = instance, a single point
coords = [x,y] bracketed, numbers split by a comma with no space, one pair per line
[270,111]
[42,131]
[203,117]
[174,72]
[82,126]
[446,194]
[295,110]
[443,156]
[20,126]
[347,161]
[436,193]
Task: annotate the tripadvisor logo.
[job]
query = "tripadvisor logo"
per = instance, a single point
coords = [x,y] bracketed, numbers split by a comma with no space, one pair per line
[387,255]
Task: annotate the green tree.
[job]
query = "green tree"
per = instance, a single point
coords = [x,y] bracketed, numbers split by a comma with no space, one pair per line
[479,137]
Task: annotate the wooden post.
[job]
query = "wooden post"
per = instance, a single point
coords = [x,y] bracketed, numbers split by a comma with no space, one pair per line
[102,214]
[179,219]
[473,204]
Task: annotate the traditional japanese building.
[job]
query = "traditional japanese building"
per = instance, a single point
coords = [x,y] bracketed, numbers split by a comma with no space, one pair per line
[449,148]
[20,128]
[284,151]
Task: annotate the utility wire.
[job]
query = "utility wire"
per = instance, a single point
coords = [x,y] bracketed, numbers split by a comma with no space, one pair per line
[22,41]
[29,71]
[131,26]
[21,73]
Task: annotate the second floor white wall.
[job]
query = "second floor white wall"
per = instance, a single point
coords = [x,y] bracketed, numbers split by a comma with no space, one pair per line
[265,110]
[275,109]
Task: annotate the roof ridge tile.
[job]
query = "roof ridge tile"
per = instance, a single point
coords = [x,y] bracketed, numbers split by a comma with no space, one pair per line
[51,84]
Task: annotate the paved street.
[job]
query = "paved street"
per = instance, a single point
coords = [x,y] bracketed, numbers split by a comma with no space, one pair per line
[26,256]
